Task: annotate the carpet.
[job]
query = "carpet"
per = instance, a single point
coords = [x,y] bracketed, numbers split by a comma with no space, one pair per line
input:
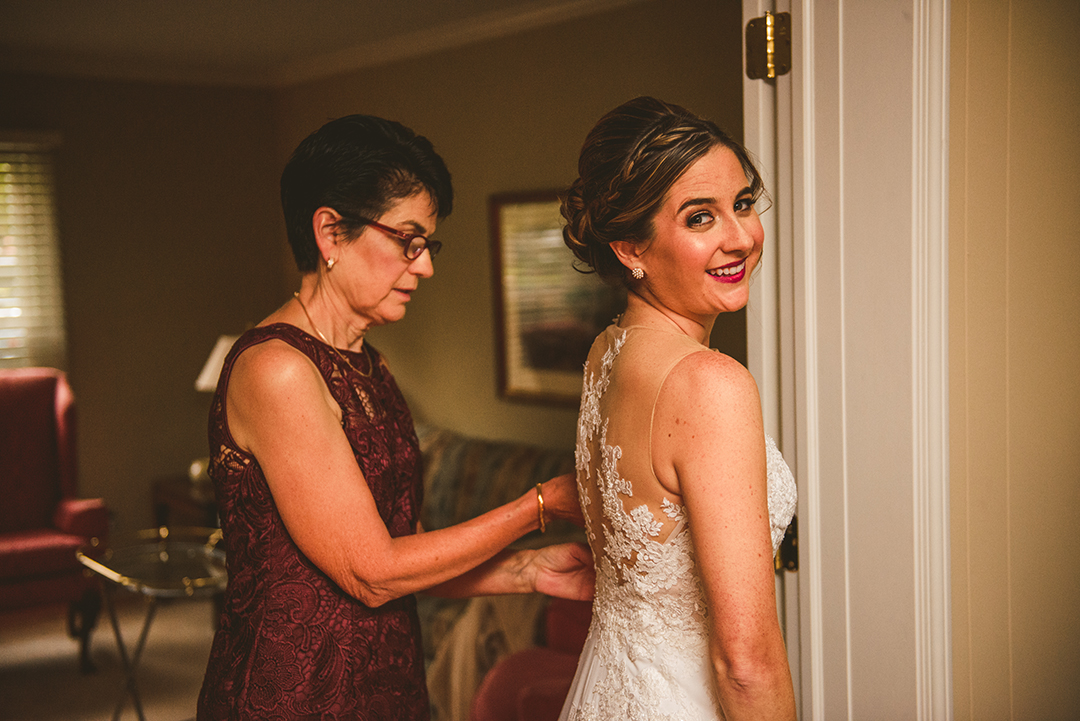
[39,666]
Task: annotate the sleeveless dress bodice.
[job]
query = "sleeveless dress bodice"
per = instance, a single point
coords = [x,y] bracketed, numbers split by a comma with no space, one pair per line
[291,643]
[647,652]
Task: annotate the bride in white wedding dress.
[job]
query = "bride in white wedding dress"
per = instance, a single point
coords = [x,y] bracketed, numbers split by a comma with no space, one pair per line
[684,496]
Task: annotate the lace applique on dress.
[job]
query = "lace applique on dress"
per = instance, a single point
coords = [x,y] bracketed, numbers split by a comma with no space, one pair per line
[589,415]
[647,652]
[783,494]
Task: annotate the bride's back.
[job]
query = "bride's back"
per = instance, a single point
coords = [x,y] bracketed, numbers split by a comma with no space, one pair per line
[649,632]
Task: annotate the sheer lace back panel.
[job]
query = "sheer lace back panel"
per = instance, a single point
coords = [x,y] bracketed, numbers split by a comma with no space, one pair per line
[630,515]
[647,653]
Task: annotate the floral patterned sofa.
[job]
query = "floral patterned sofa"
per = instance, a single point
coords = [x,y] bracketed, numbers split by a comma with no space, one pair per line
[465,638]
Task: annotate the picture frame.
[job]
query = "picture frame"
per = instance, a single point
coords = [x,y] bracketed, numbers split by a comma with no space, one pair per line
[547,312]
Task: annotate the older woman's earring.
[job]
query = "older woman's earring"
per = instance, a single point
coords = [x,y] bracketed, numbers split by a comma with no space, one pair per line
[330,264]
[637,273]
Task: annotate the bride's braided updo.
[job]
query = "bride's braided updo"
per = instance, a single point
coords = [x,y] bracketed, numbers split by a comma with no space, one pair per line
[629,161]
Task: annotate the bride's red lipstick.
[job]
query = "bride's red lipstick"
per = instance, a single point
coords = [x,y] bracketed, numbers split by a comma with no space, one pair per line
[730,273]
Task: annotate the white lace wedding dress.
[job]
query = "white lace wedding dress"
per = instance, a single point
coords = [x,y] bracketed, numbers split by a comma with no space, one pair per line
[647,655]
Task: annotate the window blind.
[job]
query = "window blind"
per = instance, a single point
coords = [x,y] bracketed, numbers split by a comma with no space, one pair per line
[31,301]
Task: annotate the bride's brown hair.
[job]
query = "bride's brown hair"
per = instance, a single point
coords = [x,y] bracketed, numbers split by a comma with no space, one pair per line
[629,161]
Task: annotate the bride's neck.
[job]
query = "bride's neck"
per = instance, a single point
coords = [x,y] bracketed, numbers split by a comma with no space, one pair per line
[650,313]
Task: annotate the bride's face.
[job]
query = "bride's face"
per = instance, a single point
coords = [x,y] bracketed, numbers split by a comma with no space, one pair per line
[707,240]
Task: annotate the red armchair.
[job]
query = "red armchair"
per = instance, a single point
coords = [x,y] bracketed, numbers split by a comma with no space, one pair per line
[531,685]
[42,523]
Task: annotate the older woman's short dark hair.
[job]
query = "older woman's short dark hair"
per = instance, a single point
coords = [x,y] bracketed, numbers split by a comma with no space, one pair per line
[629,161]
[358,165]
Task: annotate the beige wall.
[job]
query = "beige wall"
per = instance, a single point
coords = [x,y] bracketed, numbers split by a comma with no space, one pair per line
[166,203]
[1014,348]
[510,115]
[171,232]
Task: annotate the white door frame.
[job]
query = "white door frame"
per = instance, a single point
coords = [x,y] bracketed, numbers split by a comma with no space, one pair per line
[770,320]
[847,337]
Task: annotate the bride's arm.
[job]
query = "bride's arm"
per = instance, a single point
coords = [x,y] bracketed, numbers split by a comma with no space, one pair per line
[707,433]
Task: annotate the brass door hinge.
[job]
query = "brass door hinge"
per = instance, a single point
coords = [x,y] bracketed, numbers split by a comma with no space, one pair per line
[768,46]
[787,558]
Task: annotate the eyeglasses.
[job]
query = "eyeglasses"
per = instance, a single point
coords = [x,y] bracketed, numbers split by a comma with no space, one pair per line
[412,244]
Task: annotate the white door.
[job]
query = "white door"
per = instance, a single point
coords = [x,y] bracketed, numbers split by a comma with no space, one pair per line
[847,329]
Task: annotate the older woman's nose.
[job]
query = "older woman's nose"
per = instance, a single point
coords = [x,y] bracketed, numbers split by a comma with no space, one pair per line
[422,265]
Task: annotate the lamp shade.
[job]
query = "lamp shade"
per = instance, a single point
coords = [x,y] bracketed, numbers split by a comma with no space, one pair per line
[208,376]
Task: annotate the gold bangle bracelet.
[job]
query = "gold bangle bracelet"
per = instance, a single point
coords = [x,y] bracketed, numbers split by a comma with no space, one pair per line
[540,508]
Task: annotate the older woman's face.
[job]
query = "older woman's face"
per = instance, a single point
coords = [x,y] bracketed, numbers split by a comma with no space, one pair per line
[373,274]
[707,239]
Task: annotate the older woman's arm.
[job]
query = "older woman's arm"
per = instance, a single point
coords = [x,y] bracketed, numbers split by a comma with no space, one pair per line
[563,570]
[708,433]
[280,410]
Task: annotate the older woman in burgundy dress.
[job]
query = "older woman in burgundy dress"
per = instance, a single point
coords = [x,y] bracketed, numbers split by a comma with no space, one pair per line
[316,463]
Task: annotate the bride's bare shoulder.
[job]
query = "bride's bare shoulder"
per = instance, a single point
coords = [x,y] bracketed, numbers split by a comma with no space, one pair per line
[709,376]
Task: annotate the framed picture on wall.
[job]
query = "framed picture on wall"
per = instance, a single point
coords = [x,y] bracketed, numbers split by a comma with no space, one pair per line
[547,313]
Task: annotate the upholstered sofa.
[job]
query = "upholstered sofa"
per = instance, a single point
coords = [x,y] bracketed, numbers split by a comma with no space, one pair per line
[466,638]
[531,684]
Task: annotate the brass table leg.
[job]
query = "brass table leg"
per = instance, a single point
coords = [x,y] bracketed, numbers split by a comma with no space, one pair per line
[130,688]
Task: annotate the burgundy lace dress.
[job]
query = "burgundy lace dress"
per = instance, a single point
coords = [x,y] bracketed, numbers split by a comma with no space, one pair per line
[292,644]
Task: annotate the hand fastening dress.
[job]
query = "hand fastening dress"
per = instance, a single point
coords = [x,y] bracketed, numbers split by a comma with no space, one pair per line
[647,653]
[292,644]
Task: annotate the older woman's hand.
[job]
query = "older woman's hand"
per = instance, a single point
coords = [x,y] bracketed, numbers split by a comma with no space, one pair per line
[564,570]
[561,499]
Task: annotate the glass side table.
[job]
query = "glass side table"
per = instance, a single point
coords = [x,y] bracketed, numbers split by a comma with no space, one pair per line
[158,563]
